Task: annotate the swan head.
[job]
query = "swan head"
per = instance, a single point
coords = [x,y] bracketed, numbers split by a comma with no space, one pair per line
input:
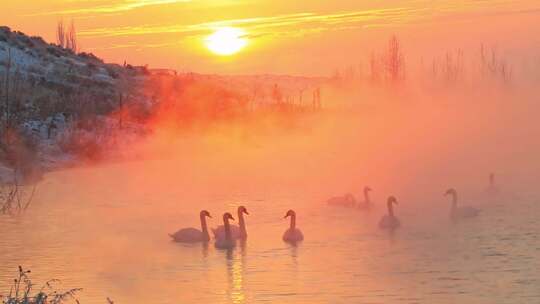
[227,216]
[290,213]
[242,209]
[450,191]
[392,200]
[367,189]
[205,213]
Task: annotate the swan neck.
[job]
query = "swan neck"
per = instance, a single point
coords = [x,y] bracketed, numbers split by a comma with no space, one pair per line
[204,227]
[366,196]
[242,223]
[293,221]
[390,209]
[227,227]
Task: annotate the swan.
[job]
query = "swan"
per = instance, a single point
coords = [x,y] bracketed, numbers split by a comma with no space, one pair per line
[346,200]
[293,234]
[193,235]
[236,231]
[460,212]
[226,242]
[492,189]
[390,221]
[366,204]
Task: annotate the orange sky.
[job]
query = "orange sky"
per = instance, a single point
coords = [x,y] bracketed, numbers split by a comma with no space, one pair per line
[308,37]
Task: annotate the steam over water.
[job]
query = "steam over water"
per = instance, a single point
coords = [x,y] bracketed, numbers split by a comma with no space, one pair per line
[104,228]
[114,243]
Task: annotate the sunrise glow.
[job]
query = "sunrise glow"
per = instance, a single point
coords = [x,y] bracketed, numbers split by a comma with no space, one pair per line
[226,41]
[245,152]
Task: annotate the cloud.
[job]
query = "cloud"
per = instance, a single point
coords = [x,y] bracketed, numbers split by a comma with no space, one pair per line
[290,22]
[314,22]
[119,6]
[305,23]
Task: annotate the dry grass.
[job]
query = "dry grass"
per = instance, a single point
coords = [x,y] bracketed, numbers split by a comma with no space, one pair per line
[22,292]
[15,198]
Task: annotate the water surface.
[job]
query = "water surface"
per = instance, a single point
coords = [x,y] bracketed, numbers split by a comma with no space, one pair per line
[111,240]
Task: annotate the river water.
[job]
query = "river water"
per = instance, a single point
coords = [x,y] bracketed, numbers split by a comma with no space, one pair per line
[112,241]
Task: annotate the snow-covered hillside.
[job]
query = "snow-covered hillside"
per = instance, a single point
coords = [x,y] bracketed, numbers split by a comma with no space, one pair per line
[67,107]
[47,91]
[51,66]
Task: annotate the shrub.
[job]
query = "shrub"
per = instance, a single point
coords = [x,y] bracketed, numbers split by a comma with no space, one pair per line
[54,51]
[81,143]
[22,292]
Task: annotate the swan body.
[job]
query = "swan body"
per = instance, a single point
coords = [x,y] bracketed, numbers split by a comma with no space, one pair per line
[193,235]
[226,241]
[346,200]
[219,232]
[293,234]
[390,221]
[366,204]
[462,212]
[237,232]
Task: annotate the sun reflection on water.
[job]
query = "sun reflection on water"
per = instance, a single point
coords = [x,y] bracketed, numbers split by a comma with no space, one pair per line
[235,271]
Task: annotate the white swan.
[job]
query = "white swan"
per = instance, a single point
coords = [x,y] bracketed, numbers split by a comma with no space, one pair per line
[366,204]
[293,234]
[193,235]
[226,242]
[237,232]
[346,200]
[492,188]
[460,212]
[390,221]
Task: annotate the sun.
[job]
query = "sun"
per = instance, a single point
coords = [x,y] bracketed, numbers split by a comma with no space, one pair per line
[226,41]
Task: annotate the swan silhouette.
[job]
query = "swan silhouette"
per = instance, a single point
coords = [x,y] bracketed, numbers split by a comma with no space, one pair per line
[366,204]
[237,232]
[492,188]
[460,212]
[346,200]
[193,235]
[390,221]
[226,242]
[293,234]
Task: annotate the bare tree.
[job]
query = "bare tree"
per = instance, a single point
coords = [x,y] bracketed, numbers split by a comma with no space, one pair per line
[506,72]
[256,91]
[67,38]
[394,61]
[374,67]
[493,66]
[277,96]
[60,34]
[71,38]
[451,68]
